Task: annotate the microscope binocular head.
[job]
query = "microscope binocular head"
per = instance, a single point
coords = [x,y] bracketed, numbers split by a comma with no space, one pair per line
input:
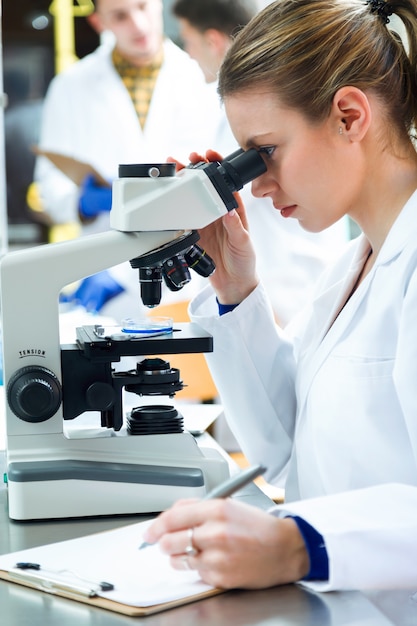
[172,262]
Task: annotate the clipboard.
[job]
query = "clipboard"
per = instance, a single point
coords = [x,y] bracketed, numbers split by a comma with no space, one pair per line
[139,582]
[74,169]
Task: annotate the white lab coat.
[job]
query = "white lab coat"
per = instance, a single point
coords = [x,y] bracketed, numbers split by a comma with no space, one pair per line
[370,536]
[89,115]
[328,409]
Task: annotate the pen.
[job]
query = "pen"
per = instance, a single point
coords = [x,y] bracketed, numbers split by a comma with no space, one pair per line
[229,487]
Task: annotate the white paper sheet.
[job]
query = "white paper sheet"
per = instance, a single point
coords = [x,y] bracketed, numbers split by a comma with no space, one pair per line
[141,578]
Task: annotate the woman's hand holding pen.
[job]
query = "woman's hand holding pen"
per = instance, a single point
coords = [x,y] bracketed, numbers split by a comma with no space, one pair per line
[235,545]
[228,243]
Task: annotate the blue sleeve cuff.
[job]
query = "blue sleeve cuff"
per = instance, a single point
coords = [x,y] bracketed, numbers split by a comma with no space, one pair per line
[319,560]
[225,308]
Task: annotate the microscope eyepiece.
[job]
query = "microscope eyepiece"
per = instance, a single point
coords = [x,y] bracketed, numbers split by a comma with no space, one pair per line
[232,173]
[241,167]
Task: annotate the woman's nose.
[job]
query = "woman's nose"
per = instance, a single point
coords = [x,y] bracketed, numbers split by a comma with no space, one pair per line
[263,185]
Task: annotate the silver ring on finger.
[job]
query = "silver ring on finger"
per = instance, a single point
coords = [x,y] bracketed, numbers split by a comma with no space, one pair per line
[190,549]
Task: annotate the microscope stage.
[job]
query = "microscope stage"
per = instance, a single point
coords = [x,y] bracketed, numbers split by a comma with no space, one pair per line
[185,338]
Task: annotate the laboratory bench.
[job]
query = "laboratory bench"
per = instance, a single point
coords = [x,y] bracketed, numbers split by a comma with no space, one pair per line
[279,606]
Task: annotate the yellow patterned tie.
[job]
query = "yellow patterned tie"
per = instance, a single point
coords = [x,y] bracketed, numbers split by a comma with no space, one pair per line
[139,82]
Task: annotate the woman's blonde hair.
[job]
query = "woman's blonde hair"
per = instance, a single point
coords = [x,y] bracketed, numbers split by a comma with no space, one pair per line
[305,50]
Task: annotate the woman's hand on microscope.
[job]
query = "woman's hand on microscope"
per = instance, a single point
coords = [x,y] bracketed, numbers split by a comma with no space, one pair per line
[228,243]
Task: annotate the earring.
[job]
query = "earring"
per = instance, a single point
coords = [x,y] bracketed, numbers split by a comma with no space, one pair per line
[340,130]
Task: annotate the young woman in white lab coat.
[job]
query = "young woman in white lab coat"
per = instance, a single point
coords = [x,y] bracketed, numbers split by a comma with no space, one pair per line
[327,93]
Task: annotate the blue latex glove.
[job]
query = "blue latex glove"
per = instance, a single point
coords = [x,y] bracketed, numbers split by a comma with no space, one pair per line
[94,198]
[94,291]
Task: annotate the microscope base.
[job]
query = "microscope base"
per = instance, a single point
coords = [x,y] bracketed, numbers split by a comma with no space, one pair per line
[109,476]
[90,498]
[113,489]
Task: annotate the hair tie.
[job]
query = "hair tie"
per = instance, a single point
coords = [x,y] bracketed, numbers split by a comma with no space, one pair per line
[381,8]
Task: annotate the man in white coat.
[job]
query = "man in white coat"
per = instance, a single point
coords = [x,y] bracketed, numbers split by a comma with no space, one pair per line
[137,98]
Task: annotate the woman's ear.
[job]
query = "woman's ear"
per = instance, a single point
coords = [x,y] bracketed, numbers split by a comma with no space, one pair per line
[352,112]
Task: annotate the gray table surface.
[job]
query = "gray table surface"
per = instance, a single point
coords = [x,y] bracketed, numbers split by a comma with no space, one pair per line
[289,605]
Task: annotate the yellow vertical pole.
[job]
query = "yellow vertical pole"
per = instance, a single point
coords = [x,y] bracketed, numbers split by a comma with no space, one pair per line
[64,12]
[64,39]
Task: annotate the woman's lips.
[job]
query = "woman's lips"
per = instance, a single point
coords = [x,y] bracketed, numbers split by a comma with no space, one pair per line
[287,211]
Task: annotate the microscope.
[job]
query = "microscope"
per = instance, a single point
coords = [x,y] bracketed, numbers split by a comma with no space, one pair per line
[144,461]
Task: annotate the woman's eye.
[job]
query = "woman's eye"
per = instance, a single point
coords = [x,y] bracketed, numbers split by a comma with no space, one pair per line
[267,150]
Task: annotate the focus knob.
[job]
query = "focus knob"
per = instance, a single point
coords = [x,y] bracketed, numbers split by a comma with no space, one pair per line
[34,393]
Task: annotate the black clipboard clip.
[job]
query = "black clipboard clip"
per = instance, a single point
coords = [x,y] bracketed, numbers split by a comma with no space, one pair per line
[57,581]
